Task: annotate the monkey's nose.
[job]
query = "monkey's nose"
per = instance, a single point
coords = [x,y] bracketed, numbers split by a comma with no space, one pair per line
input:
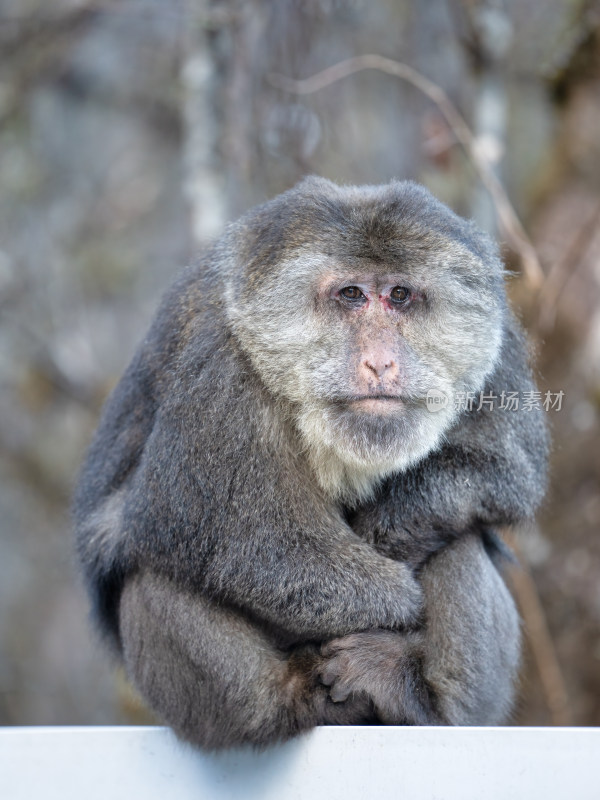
[379,366]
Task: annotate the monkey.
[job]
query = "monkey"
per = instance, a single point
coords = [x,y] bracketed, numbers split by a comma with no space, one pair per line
[275,529]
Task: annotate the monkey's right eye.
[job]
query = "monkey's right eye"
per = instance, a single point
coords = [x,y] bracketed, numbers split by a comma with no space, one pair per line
[352,293]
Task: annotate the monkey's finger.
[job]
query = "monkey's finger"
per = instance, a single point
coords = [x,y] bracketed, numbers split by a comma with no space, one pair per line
[330,672]
[331,648]
[340,692]
[344,643]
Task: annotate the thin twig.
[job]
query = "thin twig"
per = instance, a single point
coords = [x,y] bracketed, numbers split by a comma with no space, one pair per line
[564,269]
[507,216]
[540,639]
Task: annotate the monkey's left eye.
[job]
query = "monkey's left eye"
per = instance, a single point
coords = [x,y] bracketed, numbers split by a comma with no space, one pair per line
[352,293]
[399,295]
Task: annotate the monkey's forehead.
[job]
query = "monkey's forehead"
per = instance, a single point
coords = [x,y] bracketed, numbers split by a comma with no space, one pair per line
[396,225]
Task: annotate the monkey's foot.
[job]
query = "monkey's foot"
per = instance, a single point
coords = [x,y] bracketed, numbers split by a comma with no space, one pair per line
[384,666]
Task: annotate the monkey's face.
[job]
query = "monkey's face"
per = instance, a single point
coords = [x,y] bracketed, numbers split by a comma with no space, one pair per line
[366,312]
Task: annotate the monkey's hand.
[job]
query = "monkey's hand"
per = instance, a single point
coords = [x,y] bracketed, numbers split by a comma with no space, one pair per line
[385,667]
[309,699]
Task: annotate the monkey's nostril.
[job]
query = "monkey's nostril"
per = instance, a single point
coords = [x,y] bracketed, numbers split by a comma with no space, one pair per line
[379,368]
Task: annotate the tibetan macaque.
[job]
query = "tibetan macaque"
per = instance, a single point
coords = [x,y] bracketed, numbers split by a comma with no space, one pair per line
[277,529]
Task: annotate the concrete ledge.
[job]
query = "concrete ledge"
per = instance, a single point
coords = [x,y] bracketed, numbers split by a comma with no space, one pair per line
[332,763]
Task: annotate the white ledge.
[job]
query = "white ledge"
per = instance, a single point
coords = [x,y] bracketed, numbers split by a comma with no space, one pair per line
[333,763]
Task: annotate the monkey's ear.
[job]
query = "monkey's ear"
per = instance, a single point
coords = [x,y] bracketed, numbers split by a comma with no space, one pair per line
[484,246]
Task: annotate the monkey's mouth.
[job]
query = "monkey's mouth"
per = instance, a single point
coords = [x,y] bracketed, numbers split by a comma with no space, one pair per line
[377,403]
[358,398]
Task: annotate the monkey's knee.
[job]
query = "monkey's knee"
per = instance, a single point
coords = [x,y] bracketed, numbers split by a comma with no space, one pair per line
[160,660]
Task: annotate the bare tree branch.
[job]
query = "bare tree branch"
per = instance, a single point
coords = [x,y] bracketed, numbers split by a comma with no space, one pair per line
[563,270]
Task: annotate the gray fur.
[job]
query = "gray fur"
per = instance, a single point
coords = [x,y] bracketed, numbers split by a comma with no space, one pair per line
[236,513]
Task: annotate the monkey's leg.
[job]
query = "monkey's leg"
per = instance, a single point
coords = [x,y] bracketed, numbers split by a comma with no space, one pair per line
[216,678]
[472,641]
[460,670]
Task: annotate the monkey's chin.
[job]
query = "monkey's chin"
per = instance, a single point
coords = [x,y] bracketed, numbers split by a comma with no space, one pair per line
[352,449]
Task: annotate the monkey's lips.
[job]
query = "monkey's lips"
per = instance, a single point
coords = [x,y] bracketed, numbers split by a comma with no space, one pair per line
[376,403]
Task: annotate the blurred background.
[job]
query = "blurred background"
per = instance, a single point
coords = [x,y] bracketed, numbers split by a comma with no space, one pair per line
[131,131]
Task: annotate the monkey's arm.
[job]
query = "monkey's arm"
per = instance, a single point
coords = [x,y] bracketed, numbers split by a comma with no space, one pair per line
[215,677]
[460,670]
[299,569]
[256,538]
